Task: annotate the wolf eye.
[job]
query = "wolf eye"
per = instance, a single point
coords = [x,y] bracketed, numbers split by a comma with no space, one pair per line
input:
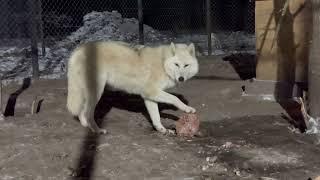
[186,65]
[176,64]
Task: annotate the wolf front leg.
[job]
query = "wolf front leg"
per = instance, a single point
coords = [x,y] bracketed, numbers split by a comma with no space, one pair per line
[153,111]
[164,97]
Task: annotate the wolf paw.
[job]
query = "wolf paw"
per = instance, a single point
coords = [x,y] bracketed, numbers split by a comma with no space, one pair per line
[162,130]
[190,109]
[167,132]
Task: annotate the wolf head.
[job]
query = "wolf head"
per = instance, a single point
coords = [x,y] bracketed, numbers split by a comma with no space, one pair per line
[181,63]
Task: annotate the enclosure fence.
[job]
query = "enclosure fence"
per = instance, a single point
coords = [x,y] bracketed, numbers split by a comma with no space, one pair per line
[39,27]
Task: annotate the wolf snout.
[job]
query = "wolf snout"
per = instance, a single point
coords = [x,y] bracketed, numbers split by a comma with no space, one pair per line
[181,79]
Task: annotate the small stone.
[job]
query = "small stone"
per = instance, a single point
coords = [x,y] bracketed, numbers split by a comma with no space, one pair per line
[205,167]
[237,172]
[208,178]
[71,172]
[267,178]
[211,160]
[227,145]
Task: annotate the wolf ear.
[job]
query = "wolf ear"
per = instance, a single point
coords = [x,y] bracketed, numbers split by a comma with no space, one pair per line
[192,49]
[173,48]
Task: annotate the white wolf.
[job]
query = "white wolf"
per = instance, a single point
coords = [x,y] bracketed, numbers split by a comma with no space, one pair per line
[144,71]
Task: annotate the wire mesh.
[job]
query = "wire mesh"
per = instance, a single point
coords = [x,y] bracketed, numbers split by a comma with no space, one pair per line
[62,24]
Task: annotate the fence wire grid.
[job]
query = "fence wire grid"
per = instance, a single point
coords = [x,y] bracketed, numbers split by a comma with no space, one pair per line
[51,29]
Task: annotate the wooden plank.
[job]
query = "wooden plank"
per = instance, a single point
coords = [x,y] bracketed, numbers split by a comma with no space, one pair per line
[287,58]
[314,64]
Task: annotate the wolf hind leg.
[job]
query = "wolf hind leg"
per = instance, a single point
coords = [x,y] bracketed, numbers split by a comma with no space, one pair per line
[87,114]
[87,117]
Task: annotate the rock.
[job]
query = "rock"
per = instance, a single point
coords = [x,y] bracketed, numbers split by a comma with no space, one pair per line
[237,172]
[227,145]
[204,167]
[267,178]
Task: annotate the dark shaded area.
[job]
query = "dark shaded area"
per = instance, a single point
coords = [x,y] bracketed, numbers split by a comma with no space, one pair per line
[14,18]
[262,133]
[266,137]
[130,102]
[293,108]
[109,100]
[286,73]
[62,17]
[10,107]
[233,15]
[39,105]
[244,64]
[86,162]
[295,118]
[213,77]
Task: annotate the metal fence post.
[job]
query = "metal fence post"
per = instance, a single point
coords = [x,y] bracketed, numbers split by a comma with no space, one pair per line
[208,24]
[34,38]
[140,18]
[1,109]
[39,8]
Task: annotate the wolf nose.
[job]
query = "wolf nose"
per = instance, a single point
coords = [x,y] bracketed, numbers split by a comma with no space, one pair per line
[181,79]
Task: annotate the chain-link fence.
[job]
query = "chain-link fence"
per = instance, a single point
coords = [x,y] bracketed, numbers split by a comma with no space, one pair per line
[48,30]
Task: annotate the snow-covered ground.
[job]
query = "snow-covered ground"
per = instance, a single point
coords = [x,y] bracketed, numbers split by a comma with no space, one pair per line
[15,54]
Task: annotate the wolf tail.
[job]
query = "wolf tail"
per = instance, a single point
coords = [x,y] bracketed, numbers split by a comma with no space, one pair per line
[75,97]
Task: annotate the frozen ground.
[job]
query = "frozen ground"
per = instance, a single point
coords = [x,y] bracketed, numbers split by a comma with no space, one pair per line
[242,138]
[15,53]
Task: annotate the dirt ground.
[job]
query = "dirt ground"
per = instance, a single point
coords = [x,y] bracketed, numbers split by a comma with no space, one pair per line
[242,138]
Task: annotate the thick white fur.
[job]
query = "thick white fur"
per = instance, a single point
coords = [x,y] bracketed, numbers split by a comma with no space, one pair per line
[145,71]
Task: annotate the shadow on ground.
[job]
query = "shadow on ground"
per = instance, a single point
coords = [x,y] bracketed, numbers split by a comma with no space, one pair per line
[244,64]
[109,100]
[11,104]
[258,145]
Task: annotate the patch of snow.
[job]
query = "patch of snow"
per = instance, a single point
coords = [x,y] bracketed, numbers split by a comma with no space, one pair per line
[112,26]
[314,124]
